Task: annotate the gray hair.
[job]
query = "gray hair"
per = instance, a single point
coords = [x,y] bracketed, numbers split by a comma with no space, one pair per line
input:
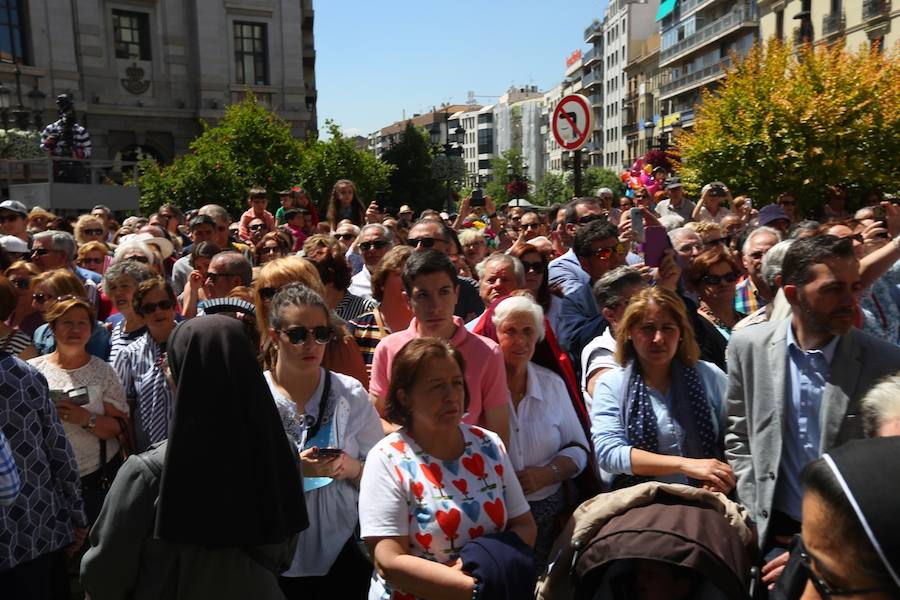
[682,232]
[385,232]
[759,231]
[467,236]
[236,263]
[139,245]
[510,261]
[609,290]
[347,222]
[772,261]
[671,221]
[294,294]
[604,191]
[515,305]
[216,212]
[59,240]
[881,404]
[127,268]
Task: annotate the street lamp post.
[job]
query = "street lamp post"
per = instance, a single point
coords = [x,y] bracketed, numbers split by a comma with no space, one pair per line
[453,147]
[22,117]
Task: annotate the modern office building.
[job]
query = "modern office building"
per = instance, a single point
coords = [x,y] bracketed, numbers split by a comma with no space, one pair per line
[144,71]
[697,38]
[434,122]
[517,121]
[859,23]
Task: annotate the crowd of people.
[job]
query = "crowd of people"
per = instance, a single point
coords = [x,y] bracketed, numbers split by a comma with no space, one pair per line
[393,406]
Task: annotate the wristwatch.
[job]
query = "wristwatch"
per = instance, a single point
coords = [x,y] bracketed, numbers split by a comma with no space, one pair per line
[557,474]
[92,422]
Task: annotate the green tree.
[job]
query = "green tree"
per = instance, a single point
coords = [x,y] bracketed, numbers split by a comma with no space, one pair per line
[324,162]
[597,177]
[786,120]
[498,187]
[552,188]
[412,179]
[250,146]
[560,187]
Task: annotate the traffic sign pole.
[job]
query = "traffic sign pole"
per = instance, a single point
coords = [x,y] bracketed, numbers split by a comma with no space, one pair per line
[576,165]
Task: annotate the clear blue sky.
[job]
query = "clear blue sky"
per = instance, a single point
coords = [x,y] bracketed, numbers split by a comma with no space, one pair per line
[376,58]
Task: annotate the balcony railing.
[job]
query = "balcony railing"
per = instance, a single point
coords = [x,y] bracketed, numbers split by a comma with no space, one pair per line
[833,23]
[594,29]
[629,128]
[596,99]
[692,80]
[591,56]
[746,17]
[591,79]
[688,6]
[630,97]
[873,9]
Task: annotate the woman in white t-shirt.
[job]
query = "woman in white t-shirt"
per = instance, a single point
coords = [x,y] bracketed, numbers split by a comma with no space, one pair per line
[342,427]
[435,484]
[88,396]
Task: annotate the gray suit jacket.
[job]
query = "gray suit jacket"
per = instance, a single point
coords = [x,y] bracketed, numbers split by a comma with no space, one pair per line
[757,386]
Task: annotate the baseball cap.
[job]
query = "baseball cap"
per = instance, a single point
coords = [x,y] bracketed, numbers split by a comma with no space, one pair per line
[14,206]
[519,203]
[673,182]
[11,243]
[405,209]
[770,213]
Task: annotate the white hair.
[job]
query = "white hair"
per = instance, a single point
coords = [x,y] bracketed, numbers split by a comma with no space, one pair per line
[138,245]
[772,261]
[469,236]
[671,221]
[762,229]
[515,305]
[510,261]
[881,405]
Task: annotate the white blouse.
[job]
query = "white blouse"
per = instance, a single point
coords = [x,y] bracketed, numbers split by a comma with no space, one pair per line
[545,422]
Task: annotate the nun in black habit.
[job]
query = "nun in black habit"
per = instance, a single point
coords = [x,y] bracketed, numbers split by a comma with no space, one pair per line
[214,511]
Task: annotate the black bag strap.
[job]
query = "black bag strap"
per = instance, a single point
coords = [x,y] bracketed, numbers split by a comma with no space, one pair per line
[323,403]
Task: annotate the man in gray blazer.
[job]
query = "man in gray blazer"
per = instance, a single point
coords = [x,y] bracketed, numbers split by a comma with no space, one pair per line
[795,385]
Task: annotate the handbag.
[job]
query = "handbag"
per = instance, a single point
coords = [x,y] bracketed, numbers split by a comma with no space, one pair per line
[109,468]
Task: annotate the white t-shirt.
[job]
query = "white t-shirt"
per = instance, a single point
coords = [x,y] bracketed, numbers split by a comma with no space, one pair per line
[361,284]
[438,504]
[705,215]
[103,386]
[600,353]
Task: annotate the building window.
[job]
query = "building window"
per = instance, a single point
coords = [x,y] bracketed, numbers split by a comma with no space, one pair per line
[779,25]
[251,57]
[485,141]
[12,46]
[131,31]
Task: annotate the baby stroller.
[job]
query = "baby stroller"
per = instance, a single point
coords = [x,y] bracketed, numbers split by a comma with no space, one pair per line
[654,541]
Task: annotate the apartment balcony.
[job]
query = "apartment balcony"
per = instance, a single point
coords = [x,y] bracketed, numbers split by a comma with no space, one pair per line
[592,79]
[693,80]
[833,24]
[874,9]
[596,100]
[731,22]
[594,31]
[630,98]
[592,56]
[630,129]
[688,7]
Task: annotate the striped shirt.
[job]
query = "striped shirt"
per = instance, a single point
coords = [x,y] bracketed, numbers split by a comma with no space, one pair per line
[367,333]
[119,339]
[140,367]
[9,474]
[81,140]
[352,306]
[14,342]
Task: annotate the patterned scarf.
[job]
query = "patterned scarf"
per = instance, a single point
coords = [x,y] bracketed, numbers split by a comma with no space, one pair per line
[690,410]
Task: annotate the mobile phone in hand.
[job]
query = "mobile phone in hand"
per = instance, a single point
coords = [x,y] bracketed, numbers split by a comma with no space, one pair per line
[656,240]
[637,224]
[477,198]
[328,452]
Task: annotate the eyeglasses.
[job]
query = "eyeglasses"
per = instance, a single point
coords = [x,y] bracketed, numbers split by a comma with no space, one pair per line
[710,279]
[823,587]
[425,242]
[299,335]
[214,277]
[42,251]
[22,284]
[377,245]
[5,218]
[150,307]
[688,248]
[531,226]
[345,236]
[92,231]
[533,267]
[267,293]
[270,250]
[585,219]
[713,243]
[605,253]
[258,226]
[41,298]
[645,196]
[138,258]
[91,261]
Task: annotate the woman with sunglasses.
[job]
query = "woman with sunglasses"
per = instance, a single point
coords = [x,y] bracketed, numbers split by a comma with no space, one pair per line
[537,279]
[343,427]
[713,277]
[271,246]
[23,317]
[661,414]
[89,228]
[93,256]
[12,341]
[88,396]
[140,366]
[47,288]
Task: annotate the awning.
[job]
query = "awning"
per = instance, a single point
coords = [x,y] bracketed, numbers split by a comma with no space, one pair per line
[665,9]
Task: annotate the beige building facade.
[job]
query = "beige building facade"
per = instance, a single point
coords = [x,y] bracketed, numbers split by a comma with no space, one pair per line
[860,23]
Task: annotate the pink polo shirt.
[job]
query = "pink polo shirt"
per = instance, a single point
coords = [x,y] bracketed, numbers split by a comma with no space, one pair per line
[485,371]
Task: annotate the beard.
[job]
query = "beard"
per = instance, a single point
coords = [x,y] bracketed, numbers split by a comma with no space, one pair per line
[834,322]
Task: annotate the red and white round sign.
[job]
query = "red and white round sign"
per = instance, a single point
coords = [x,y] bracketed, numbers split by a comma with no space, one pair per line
[571,122]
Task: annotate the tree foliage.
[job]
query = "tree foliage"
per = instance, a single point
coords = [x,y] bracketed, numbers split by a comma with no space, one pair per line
[497,188]
[253,146]
[799,121]
[412,179]
[560,187]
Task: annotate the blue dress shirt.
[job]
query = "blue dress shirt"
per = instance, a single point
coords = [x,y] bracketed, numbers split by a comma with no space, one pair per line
[808,372]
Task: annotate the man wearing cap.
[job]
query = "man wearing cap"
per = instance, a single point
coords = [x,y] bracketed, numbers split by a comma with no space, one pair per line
[15,247]
[13,219]
[374,242]
[796,385]
[406,214]
[676,203]
[773,215]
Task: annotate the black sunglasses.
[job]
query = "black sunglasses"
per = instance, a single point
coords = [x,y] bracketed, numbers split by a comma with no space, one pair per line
[298,335]
[425,242]
[150,307]
[713,243]
[584,220]
[377,244]
[40,298]
[258,226]
[823,587]
[138,258]
[345,236]
[22,284]
[270,250]
[214,277]
[92,231]
[267,293]
[41,251]
[531,226]
[533,267]
[91,261]
[710,279]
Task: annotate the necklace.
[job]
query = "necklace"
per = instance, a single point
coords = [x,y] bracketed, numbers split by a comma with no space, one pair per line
[709,314]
